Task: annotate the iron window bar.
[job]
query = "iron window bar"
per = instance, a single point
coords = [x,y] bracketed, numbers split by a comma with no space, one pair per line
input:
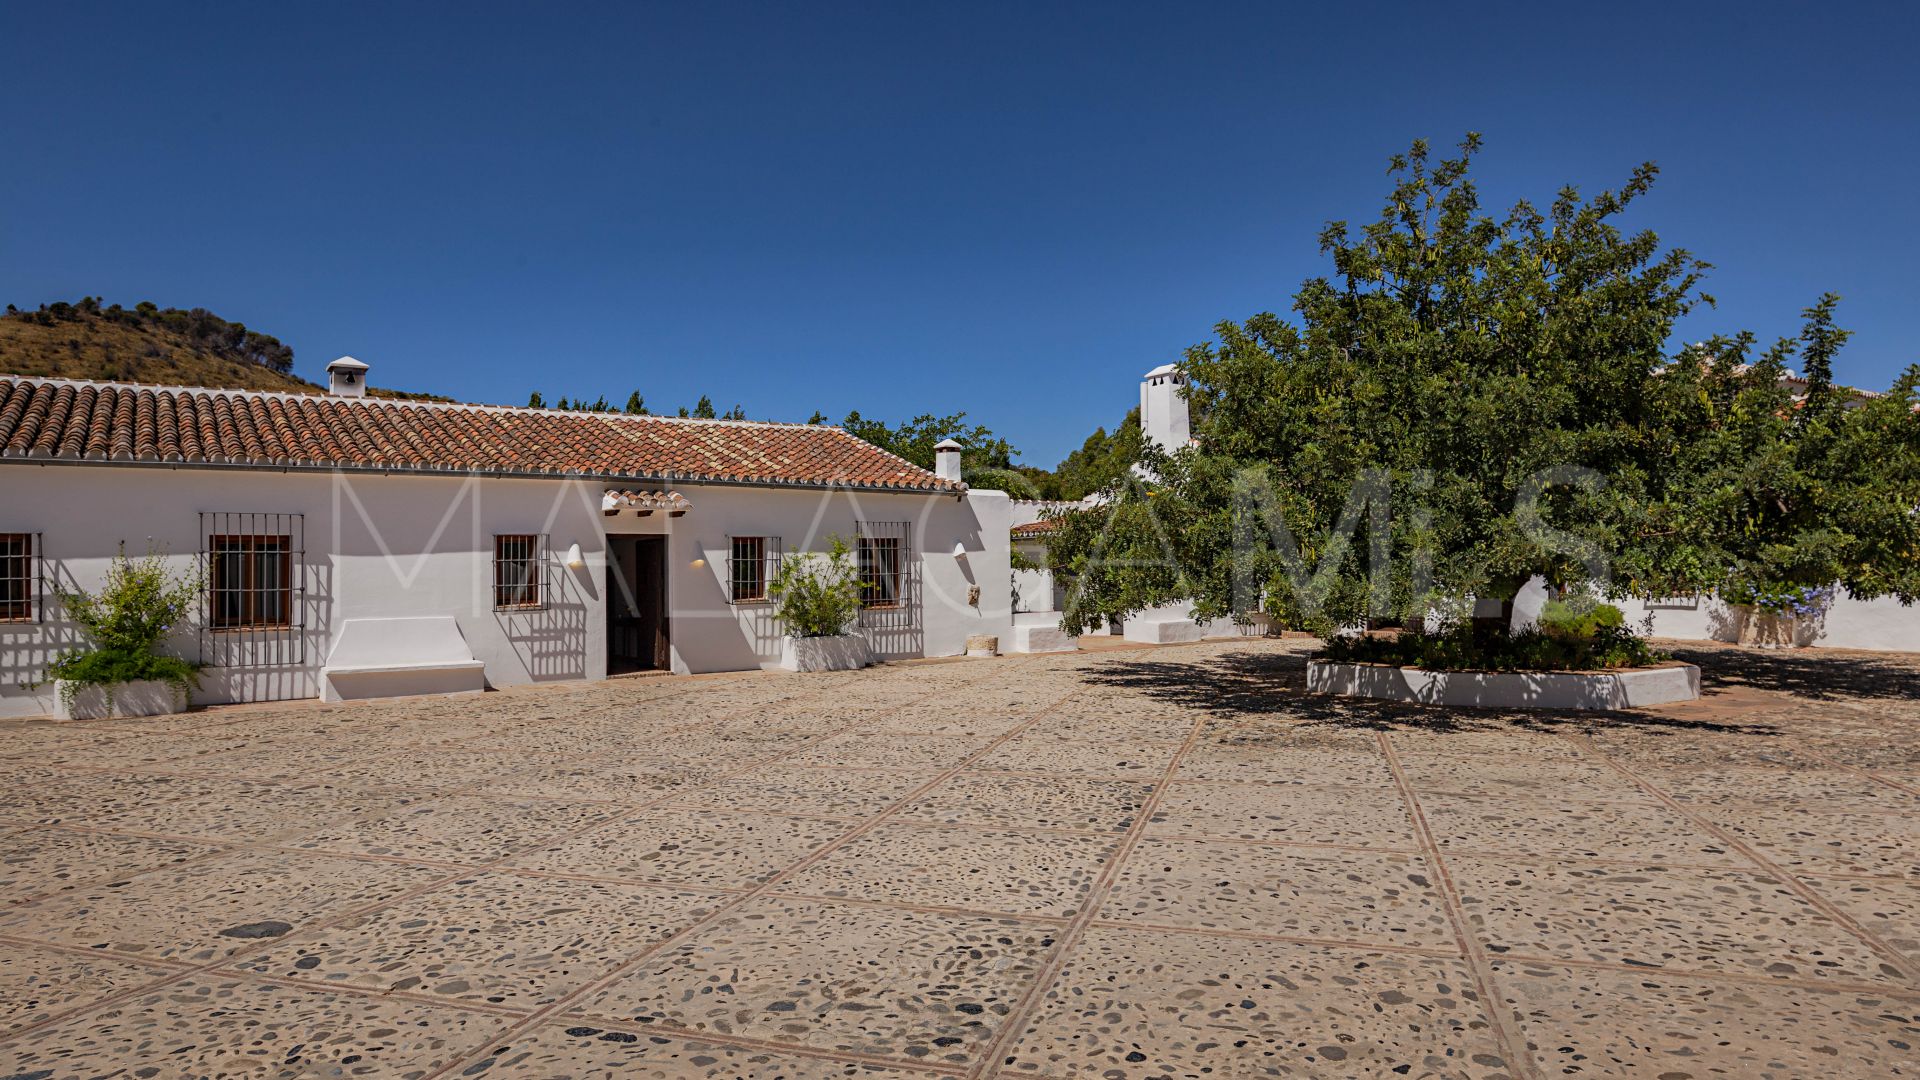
[519,571]
[884,557]
[23,582]
[253,600]
[752,562]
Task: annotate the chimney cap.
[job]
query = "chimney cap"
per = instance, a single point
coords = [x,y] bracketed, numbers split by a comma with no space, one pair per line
[948,444]
[1163,369]
[347,363]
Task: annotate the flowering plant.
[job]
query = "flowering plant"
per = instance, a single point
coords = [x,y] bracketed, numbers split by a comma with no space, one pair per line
[138,605]
[1799,601]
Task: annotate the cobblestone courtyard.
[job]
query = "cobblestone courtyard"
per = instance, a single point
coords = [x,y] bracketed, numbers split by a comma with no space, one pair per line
[1127,864]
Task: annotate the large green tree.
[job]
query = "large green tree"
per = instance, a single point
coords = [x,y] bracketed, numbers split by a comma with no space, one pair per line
[1465,402]
[1787,485]
[1102,459]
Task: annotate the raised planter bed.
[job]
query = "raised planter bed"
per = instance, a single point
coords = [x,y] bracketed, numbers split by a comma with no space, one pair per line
[843,652]
[129,699]
[1625,689]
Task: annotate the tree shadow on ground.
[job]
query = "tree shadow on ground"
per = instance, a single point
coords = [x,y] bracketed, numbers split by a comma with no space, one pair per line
[1253,686]
[1820,676]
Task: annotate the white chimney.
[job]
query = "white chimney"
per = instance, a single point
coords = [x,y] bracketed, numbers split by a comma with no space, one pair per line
[347,377]
[946,460]
[1163,411]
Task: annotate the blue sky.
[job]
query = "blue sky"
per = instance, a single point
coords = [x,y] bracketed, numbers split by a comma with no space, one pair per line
[1008,210]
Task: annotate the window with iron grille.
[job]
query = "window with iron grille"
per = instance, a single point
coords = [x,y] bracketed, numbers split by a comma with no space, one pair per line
[882,559]
[750,566]
[517,563]
[19,577]
[255,613]
[250,581]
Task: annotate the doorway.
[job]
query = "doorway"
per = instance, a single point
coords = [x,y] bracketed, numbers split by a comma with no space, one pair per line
[637,625]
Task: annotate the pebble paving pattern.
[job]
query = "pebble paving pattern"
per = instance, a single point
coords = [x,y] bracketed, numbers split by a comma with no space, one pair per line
[1124,864]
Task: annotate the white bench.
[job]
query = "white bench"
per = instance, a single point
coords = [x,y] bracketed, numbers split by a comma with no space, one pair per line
[1039,632]
[396,657]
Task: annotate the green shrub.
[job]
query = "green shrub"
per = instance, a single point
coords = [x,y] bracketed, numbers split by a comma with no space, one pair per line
[1579,618]
[818,592]
[140,603]
[1575,637]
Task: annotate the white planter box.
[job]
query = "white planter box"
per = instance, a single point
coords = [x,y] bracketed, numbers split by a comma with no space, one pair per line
[844,652]
[1775,630]
[1509,689]
[129,699]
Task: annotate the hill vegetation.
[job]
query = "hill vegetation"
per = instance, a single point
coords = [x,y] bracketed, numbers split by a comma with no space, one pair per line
[151,344]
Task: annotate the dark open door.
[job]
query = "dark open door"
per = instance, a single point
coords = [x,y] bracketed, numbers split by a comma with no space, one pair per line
[637,638]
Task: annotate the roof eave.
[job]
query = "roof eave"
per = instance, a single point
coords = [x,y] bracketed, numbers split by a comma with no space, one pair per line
[31,457]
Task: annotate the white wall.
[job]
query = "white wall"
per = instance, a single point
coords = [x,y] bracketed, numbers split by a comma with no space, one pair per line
[373,545]
[1882,624]
[408,544]
[710,634]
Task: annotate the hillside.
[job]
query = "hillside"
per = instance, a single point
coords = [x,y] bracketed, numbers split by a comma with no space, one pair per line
[150,344]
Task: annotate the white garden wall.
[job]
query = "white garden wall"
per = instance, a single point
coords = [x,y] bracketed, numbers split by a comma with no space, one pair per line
[1883,624]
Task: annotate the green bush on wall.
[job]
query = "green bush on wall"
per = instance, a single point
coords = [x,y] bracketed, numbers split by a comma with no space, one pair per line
[139,604]
[818,593]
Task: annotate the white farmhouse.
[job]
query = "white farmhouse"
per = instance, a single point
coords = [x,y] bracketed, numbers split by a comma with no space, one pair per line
[354,545]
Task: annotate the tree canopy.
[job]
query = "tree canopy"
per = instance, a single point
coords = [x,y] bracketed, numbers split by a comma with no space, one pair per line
[1468,401]
[915,439]
[1784,486]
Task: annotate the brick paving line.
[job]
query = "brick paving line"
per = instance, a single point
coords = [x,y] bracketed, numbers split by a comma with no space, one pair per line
[1348,944]
[919,823]
[1555,797]
[1014,1024]
[915,907]
[1580,858]
[766,885]
[1513,1046]
[1821,755]
[1887,812]
[409,894]
[1837,986]
[1895,958]
[670,1030]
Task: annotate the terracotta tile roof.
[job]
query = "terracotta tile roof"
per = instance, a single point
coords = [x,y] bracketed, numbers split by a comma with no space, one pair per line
[1033,529]
[65,420]
[645,501]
